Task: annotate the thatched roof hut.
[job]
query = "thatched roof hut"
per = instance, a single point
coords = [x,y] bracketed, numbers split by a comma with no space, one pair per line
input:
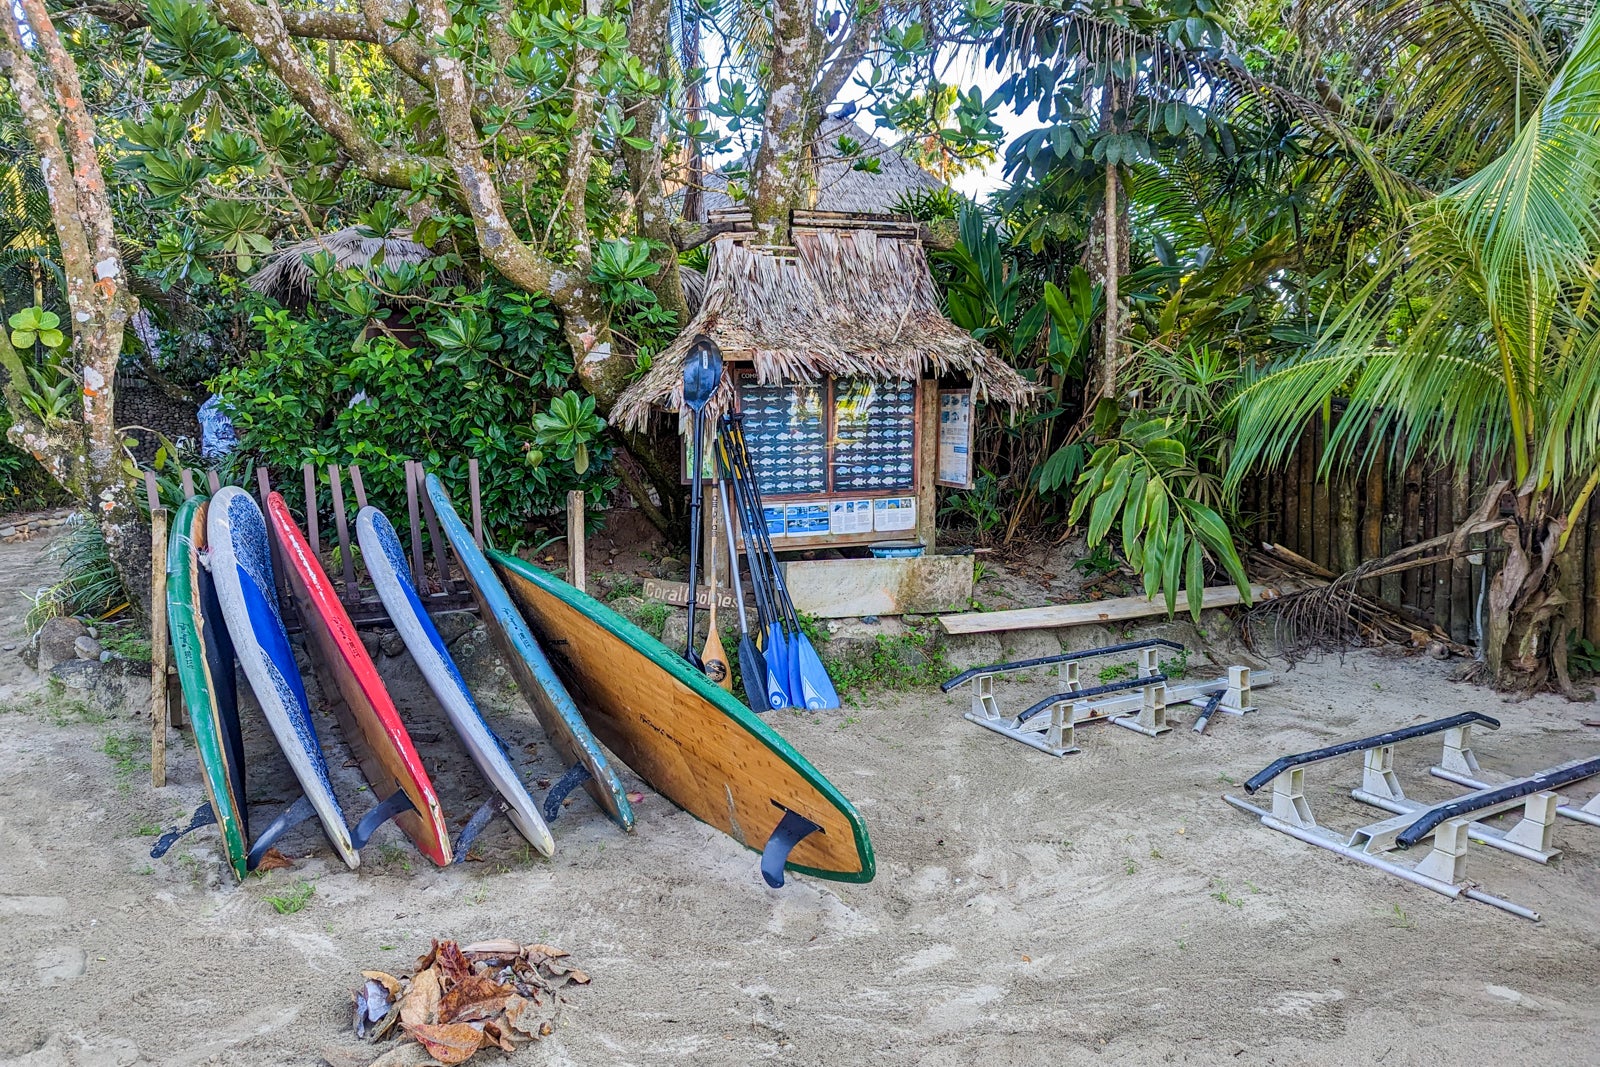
[286,277]
[853,299]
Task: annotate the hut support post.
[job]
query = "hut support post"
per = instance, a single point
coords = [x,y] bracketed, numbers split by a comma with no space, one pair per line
[928,462]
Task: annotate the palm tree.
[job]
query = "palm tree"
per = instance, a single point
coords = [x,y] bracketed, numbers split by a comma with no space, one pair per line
[1478,336]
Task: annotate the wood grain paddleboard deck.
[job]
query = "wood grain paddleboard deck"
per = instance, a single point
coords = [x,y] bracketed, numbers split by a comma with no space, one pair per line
[372,726]
[203,656]
[693,742]
[241,566]
[391,574]
[563,724]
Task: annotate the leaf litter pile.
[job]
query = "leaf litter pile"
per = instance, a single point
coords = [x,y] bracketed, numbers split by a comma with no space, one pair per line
[489,994]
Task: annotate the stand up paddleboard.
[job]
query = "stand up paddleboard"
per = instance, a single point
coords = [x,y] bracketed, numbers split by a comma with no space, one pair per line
[386,563]
[371,724]
[562,723]
[202,652]
[693,742]
[241,566]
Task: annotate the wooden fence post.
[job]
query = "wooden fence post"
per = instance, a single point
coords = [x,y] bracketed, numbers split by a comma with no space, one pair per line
[575,551]
[159,657]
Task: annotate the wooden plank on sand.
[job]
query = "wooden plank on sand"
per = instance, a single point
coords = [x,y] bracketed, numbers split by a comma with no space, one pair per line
[1127,607]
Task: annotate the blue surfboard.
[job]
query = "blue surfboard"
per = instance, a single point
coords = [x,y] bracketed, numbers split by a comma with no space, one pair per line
[562,722]
[391,574]
[241,567]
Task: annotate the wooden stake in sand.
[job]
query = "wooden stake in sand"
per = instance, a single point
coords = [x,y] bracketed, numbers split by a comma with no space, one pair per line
[575,551]
[159,656]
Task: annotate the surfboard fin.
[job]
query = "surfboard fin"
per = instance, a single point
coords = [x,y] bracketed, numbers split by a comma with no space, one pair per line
[791,830]
[396,804]
[287,820]
[495,805]
[576,775]
[203,816]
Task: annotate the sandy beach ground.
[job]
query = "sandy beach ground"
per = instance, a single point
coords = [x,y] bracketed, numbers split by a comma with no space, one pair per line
[1107,907]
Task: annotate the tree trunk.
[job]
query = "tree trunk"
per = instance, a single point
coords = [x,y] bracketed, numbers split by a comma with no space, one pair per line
[648,26]
[84,455]
[1105,258]
[779,179]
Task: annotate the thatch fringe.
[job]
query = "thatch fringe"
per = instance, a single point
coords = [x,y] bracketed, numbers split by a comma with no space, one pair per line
[852,303]
[286,277]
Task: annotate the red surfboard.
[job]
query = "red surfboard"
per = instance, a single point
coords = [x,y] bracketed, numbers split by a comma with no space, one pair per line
[371,724]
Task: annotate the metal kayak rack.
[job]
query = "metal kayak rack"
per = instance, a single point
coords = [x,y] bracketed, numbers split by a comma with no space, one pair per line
[1447,827]
[1140,703]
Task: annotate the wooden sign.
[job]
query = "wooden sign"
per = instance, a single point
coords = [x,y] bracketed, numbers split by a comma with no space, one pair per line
[677,594]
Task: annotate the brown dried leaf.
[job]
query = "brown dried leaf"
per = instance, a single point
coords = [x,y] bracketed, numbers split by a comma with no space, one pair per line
[578,977]
[474,997]
[273,860]
[449,1043]
[450,963]
[520,1018]
[545,1029]
[534,952]
[492,1032]
[421,1003]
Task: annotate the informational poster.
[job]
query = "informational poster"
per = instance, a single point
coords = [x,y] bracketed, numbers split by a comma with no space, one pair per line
[850,517]
[875,435]
[806,519]
[955,438]
[894,514]
[774,514]
[788,441]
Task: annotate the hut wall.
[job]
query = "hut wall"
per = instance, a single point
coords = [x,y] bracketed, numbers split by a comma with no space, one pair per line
[1371,513]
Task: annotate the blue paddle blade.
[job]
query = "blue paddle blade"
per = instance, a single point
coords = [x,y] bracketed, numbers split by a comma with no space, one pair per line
[702,372]
[791,657]
[815,685]
[778,695]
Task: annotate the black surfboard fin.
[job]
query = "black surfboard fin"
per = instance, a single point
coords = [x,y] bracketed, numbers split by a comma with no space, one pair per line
[790,831]
[495,805]
[576,775]
[203,816]
[396,804]
[287,820]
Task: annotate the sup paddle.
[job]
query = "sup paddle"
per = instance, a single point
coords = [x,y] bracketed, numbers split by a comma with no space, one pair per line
[810,686]
[752,520]
[702,373]
[712,654]
[752,664]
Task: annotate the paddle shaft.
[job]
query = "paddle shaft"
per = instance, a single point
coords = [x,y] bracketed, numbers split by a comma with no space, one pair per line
[712,654]
[780,594]
[733,553]
[754,522]
[694,533]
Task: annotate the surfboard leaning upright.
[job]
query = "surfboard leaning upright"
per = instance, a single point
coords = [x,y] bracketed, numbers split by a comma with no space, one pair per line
[692,741]
[241,566]
[386,563]
[562,722]
[203,655]
[371,725]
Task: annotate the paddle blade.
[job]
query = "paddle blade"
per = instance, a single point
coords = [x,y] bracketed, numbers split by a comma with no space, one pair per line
[777,670]
[702,372]
[815,685]
[715,659]
[753,670]
[791,656]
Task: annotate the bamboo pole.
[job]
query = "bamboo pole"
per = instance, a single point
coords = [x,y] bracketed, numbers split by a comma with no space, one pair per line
[1373,515]
[1345,526]
[1461,568]
[1591,625]
[1443,515]
[1411,530]
[1308,458]
[1321,507]
[1289,519]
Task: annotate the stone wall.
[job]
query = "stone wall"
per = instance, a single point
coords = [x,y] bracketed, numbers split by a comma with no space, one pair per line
[142,407]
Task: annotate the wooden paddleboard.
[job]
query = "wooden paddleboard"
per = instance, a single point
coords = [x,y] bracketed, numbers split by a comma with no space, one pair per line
[371,724]
[386,563]
[559,716]
[241,566]
[694,743]
[202,652]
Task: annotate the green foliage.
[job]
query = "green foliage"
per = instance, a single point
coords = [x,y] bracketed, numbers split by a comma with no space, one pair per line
[36,324]
[294,899]
[903,661]
[88,585]
[24,485]
[371,379]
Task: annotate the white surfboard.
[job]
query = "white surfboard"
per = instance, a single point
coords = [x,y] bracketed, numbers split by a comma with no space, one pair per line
[241,567]
[386,563]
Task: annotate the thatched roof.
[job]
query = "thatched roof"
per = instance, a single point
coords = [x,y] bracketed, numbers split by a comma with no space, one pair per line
[286,278]
[851,302]
[840,187]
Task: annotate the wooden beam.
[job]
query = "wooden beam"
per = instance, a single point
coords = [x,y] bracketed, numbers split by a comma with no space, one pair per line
[1128,607]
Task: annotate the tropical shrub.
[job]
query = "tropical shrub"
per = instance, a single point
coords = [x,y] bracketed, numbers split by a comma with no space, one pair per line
[362,377]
